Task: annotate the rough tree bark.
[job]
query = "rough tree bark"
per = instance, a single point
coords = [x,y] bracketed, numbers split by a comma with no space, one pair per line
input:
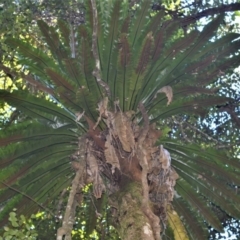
[187,20]
[132,222]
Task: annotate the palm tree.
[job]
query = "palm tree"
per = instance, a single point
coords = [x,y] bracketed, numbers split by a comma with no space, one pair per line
[98,94]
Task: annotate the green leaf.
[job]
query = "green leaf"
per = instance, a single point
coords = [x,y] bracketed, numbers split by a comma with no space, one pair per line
[6,228]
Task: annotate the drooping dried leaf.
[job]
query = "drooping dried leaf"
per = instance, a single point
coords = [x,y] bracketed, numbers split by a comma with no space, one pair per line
[93,171]
[98,187]
[95,134]
[102,108]
[79,115]
[152,136]
[93,166]
[110,154]
[122,126]
[173,175]
[150,148]
[165,158]
[168,91]
[75,165]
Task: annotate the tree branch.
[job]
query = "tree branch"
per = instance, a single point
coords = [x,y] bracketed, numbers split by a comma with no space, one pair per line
[210,12]
[79,181]
[232,113]
[59,206]
[201,132]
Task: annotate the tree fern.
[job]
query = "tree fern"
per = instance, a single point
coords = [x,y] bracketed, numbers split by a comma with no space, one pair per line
[76,125]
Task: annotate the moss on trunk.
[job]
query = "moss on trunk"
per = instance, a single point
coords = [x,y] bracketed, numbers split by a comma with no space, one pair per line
[133,223]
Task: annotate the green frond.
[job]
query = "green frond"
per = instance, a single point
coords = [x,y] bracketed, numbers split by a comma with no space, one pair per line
[32,57]
[139,55]
[91,219]
[175,70]
[89,15]
[163,58]
[219,164]
[125,69]
[125,25]
[197,67]
[142,65]
[195,227]
[198,203]
[197,104]
[87,100]
[28,205]
[144,58]
[216,46]
[73,68]
[181,44]
[29,131]
[65,88]
[168,234]
[52,38]
[87,64]
[60,81]
[111,44]
[109,52]
[55,157]
[229,50]
[183,90]
[48,181]
[212,159]
[209,31]
[211,73]
[48,187]
[139,22]
[158,46]
[43,164]
[219,197]
[156,23]
[93,206]
[34,106]
[163,39]
[208,172]
[64,32]
[213,59]
[24,150]
[8,207]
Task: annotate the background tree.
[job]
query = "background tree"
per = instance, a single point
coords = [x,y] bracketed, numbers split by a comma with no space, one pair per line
[108,138]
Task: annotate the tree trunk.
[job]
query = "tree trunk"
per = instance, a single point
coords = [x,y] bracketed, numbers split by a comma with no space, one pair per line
[132,222]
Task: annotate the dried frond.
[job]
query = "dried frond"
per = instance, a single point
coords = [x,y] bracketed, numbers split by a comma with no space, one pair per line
[102,109]
[110,153]
[79,115]
[164,158]
[93,172]
[168,91]
[122,130]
